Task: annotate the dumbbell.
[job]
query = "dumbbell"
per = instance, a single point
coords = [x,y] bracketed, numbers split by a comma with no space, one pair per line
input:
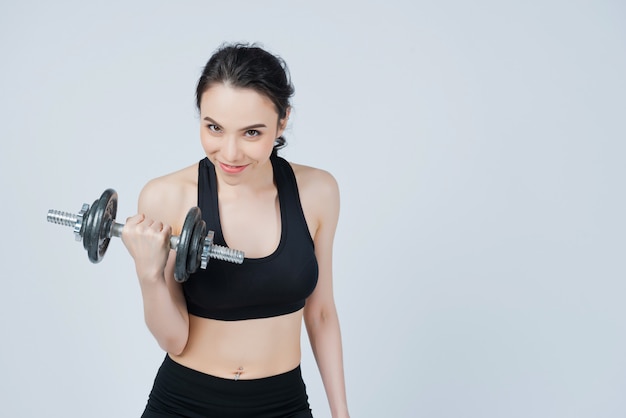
[95,225]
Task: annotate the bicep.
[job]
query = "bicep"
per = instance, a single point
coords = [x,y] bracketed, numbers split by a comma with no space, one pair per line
[151,204]
[327,208]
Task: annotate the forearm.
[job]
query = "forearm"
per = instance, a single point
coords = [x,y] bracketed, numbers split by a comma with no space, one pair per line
[166,321]
[325,336]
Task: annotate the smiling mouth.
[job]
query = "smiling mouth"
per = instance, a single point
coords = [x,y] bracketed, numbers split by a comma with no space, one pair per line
[232,169]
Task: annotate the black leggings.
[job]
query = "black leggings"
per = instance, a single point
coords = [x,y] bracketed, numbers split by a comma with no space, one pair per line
[179,391]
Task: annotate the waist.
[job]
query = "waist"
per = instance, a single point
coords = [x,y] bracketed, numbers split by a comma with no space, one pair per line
[208,379]
[243,350]
[183,391]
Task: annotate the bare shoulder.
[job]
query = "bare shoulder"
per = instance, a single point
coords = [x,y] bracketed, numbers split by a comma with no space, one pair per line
[169,197]
[320,183]
[319,196]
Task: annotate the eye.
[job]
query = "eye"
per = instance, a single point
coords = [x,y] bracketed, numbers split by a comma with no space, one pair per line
[214,128]
[252,133]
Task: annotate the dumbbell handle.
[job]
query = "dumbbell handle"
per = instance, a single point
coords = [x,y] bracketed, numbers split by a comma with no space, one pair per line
[210,250]
[116,231]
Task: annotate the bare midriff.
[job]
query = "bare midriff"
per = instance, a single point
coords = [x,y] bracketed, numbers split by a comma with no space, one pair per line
[247,349]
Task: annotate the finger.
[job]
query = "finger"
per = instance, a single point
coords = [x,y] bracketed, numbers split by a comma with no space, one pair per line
[135,219]
[156,226]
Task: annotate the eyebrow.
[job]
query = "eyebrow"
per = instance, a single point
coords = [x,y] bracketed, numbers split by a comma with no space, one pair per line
[247,128]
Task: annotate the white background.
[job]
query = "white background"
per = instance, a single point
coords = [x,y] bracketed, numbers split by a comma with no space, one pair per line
[479,147]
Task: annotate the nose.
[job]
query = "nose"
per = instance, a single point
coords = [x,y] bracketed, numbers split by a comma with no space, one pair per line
[230,149]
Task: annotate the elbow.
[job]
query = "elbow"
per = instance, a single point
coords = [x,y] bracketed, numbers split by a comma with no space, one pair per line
[320,315]
[173,345]
[172,336]
[177,351]
[173,340]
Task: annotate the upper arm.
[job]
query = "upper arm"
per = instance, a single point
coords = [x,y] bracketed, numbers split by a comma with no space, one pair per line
[164,200]
[159,200]
[321,205]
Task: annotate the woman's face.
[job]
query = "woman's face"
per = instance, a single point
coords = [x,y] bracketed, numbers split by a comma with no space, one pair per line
[238,127]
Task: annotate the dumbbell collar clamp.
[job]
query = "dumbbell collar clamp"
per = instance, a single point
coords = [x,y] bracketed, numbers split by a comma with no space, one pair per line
[78,225]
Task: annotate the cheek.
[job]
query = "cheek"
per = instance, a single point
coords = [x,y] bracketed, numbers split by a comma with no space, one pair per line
[258,151]
[208,143]
[265,148]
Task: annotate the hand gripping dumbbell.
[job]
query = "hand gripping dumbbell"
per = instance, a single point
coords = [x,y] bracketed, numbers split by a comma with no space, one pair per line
[96,225]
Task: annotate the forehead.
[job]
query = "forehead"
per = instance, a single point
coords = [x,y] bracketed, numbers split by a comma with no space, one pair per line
[235,105]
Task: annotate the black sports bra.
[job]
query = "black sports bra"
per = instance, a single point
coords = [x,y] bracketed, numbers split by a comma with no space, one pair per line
[264,287]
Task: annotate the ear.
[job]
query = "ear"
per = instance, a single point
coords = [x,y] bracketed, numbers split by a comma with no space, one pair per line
[282,123]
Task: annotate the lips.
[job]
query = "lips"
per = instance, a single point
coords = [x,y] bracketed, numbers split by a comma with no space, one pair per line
[232,169]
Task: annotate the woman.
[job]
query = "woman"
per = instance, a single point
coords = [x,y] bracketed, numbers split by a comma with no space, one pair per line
[232,332]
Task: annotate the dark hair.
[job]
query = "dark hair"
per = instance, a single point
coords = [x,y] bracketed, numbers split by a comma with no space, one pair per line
[248,66]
